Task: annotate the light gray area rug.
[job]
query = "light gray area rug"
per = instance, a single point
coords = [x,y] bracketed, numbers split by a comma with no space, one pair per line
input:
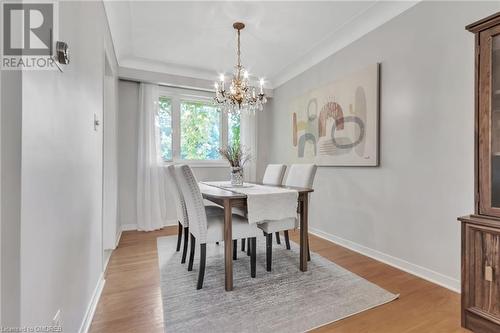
[284,300]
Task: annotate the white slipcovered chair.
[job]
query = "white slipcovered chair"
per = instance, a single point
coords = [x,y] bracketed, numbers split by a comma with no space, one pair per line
[171,176]
[206,228]
[299,175]
[272,176]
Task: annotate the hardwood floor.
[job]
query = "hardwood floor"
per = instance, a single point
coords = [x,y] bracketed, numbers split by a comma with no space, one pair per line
[131,300]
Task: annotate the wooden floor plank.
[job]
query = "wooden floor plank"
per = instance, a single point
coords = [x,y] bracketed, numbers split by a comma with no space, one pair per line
[131,299]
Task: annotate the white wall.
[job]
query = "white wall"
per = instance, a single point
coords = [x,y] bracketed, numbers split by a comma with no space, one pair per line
[111,227]
[128,120]
[404,211]
[11,116]
[127,157]
[61,229]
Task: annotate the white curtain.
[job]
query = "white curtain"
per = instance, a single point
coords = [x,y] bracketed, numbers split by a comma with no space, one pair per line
[248,137]
[151,190]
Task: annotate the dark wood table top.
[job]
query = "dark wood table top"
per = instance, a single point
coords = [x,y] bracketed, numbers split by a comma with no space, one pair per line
[209,191]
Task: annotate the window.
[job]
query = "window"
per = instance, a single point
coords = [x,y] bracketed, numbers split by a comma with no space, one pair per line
[192,128]
[165,125]
[233,121]
[200,131]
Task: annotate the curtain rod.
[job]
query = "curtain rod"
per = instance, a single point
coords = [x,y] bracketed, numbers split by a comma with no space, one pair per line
[168,85]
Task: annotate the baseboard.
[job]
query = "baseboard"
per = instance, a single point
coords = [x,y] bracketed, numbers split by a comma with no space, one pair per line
[119,237]
[128,227]
[89,314]
[422,272]
[106,260]
[133,226]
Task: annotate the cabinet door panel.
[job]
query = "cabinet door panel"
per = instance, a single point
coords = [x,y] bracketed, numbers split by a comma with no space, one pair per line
[484,269]
[489,121]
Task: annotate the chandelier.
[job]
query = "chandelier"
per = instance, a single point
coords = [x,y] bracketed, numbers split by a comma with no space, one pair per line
[241,95]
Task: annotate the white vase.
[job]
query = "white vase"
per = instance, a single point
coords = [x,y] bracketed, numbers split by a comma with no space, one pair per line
[237,176]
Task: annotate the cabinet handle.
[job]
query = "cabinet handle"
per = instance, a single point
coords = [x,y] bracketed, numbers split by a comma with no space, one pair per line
[488,273]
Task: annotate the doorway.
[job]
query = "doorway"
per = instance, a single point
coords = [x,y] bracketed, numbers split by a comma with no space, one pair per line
[110,230]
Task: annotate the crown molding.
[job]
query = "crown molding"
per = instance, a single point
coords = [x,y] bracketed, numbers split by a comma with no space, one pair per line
[171,80]
[149,65]
[367,21]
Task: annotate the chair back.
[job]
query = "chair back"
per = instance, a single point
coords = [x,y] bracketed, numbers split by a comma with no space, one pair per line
[180,204]
[274,174]
[301,175]
[194,203]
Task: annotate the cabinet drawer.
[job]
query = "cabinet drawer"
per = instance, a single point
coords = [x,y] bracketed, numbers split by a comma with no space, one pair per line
[482,267]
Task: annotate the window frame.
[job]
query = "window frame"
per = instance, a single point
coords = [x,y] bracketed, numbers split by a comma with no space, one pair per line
[177,96]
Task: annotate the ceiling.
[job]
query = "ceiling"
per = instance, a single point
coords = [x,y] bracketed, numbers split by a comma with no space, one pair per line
[281,39]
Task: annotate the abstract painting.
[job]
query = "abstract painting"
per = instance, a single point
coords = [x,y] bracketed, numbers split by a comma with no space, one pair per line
[337,124]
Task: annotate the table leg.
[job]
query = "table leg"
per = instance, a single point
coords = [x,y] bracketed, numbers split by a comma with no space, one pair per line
[304,207]
[228,244]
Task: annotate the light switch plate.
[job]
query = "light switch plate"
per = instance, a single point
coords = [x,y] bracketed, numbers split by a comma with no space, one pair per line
[96,122]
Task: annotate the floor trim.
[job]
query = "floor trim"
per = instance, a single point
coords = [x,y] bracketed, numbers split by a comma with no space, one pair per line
[422,272]
[89,314]
[133,226]
[118,237]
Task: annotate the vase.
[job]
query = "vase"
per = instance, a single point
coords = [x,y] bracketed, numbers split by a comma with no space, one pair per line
[236,176]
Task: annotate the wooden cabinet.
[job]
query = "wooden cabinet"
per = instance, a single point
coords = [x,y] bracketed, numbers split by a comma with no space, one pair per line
[481,230]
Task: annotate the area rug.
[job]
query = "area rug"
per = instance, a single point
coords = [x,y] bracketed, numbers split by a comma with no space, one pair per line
[284,300]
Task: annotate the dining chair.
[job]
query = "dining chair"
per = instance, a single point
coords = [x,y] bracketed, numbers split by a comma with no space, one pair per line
[206,228]
[171,175]
[272,176]
[299,175]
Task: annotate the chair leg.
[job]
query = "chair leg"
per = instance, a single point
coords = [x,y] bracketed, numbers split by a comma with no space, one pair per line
[287,240]
[179,237]
[269,251]
[191,253]
[243,244]
[308,251]
[203,259]
[235,249]
[253,256]
[248,247]
[278,240]
[185,246]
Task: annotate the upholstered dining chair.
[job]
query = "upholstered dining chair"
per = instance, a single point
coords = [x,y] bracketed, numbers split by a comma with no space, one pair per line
[206,228]
[171,175]
[272,176]
[299,175]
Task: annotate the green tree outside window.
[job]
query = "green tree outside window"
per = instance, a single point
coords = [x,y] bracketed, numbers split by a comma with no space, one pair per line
[165,125]
[200,131]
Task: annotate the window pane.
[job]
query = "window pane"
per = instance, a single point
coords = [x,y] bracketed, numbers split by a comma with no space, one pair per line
[200,131]
[233,120]
[165,125]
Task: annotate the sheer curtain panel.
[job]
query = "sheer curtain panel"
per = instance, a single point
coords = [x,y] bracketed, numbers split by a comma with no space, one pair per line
[151,186]
[249,141]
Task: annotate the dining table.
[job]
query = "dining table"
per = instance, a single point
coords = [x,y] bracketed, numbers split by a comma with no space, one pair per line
[229,198]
